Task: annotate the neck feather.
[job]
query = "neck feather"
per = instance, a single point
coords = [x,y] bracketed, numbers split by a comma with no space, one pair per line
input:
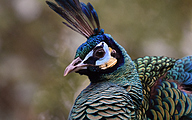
[127,77]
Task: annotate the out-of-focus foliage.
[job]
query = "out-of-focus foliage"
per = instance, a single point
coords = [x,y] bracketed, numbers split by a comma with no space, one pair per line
[35,47]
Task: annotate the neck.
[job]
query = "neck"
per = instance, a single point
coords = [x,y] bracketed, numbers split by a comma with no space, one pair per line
[125,76]
[125,73]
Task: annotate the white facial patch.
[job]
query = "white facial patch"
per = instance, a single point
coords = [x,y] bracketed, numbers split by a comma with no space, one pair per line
[87,56]
[102,60]
[107,55]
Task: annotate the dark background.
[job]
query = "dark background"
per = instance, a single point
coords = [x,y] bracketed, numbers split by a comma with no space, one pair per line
[35,48]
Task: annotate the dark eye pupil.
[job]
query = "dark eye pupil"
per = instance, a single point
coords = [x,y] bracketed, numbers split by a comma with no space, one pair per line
[100,54]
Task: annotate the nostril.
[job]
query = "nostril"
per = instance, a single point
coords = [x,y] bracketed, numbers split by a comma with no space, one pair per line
[77,63]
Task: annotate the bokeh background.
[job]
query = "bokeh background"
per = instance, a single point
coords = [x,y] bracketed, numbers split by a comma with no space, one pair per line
[35,48]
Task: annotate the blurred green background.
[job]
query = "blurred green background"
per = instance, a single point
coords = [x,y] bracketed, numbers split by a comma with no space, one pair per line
[35,48]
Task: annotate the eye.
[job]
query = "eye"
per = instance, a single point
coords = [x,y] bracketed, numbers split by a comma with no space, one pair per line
[99,53]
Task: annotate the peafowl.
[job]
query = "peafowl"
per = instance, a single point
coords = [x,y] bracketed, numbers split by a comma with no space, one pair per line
[150,87]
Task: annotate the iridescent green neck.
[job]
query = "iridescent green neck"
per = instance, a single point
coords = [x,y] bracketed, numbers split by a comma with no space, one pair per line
[127,77]
[125,74]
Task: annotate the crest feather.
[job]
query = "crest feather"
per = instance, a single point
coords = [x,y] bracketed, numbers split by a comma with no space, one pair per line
[80,17]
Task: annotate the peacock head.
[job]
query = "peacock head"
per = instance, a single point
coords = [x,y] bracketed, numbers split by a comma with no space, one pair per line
[100,53]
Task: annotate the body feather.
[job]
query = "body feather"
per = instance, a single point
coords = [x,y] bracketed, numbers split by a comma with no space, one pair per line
[165,93]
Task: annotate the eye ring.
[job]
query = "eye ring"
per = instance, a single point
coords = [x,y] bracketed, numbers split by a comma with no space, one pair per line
[99,53]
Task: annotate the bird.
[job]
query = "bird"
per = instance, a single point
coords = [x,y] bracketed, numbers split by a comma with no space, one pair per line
[146,88]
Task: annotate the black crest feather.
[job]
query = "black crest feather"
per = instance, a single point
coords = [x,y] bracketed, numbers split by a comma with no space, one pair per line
[80,17]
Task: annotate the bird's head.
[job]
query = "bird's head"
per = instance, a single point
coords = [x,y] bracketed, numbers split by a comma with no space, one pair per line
[100,54]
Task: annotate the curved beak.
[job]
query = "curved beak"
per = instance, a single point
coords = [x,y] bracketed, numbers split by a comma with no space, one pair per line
[75,65]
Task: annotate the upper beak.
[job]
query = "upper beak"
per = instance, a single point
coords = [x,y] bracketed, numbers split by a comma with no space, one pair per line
[75,65]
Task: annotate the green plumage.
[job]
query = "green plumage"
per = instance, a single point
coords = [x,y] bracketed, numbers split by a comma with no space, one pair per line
[151,69]
[150,87]
[103,100]
[169,102]
[163,99]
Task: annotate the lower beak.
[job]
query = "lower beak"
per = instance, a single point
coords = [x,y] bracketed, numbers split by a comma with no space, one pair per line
[75,65]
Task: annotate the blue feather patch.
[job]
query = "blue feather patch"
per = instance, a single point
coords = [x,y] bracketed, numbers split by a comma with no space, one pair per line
[91,42]
[182,72]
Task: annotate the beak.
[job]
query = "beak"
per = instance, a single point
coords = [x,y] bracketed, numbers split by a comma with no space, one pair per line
[75,65]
